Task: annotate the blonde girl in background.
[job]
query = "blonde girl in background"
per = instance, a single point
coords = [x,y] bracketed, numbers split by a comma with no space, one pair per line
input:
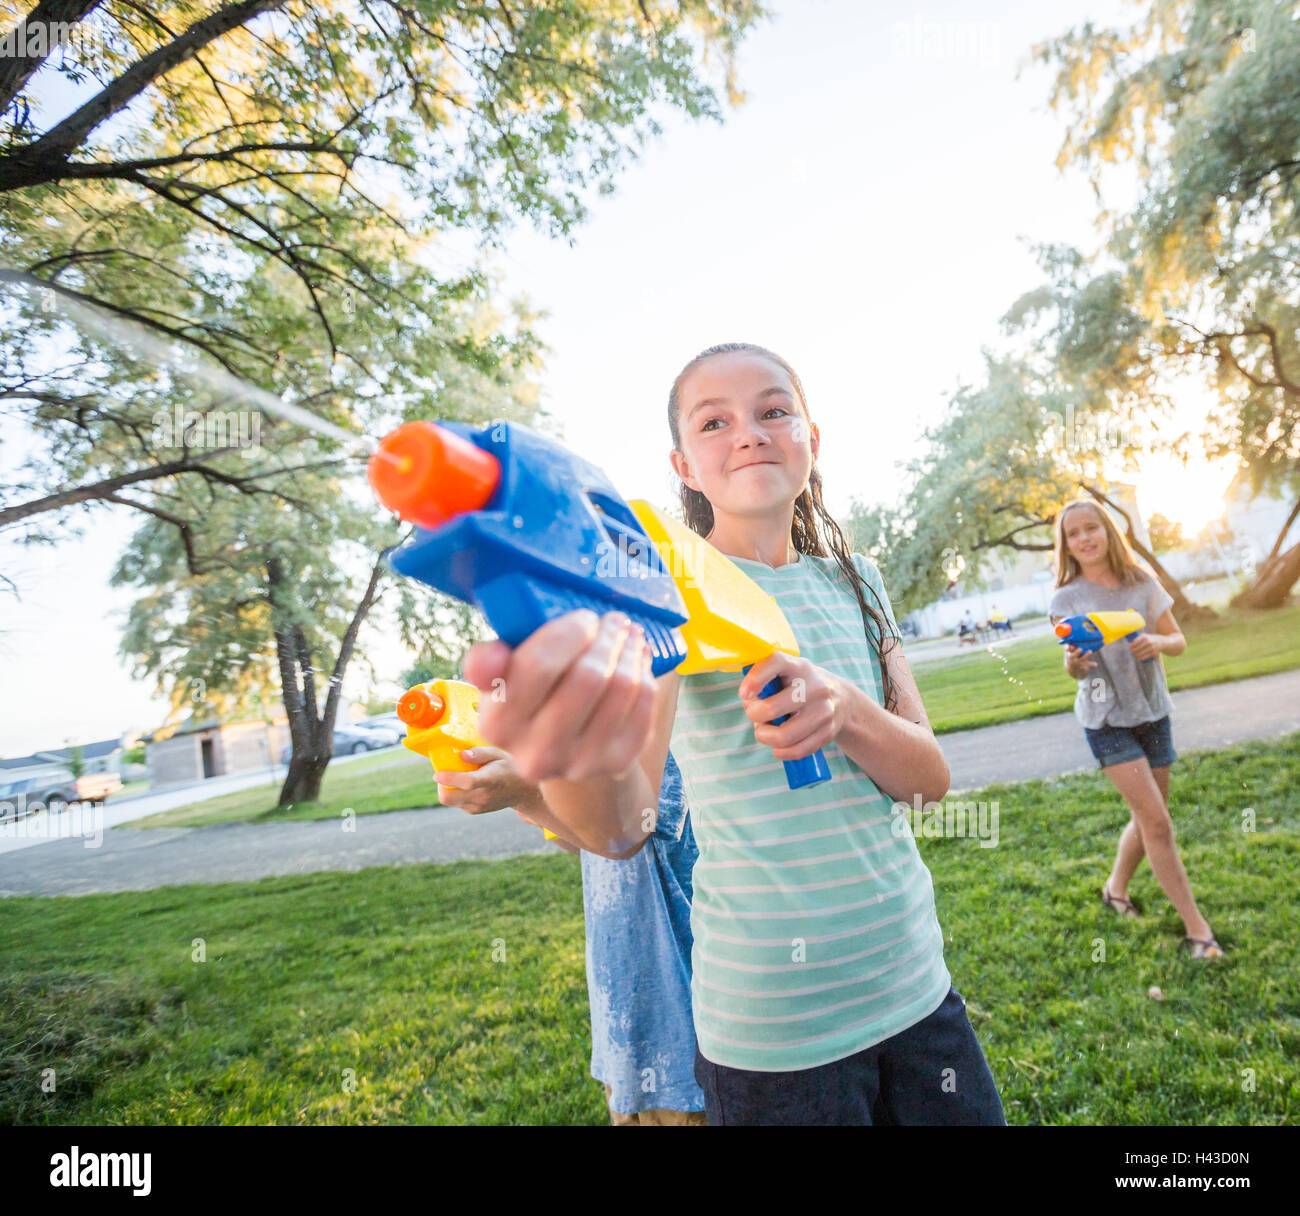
[1123,704]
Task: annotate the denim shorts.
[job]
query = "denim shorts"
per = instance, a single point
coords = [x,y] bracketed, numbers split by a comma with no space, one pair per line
[1118,744]
[931,1074]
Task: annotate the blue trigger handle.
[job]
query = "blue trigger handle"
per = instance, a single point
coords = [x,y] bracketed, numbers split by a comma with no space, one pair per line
[1130,637]
[799,774]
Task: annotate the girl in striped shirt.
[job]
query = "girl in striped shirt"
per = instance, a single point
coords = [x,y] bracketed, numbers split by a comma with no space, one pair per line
[819,990]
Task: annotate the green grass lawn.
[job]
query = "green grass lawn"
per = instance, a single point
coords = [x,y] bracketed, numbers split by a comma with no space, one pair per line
[393,780]
[1025,679]
[390,973]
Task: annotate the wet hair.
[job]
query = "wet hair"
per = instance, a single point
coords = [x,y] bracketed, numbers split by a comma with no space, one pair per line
[811,519]
[1120,559]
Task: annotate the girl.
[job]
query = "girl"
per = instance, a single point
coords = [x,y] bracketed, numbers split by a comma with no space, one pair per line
[1123,704]
[819,989]
[638,947]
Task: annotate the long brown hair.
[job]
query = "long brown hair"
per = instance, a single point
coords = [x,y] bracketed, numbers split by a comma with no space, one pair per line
[1120,559]
[811,518]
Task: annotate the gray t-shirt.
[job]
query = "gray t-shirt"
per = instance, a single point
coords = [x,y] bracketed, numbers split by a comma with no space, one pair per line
[1120,690]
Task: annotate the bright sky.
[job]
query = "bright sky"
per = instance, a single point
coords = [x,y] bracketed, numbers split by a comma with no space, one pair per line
[866,214]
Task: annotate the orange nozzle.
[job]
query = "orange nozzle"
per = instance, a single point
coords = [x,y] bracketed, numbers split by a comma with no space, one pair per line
[1062,630]
[428,475]
[419,708]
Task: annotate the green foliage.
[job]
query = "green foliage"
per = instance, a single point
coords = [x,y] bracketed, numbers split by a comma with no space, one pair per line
[1210,274]
[430,667]
[992,475]
[1165,534]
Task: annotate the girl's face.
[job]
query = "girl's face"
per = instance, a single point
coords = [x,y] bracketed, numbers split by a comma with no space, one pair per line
[1085,535]
[745,443]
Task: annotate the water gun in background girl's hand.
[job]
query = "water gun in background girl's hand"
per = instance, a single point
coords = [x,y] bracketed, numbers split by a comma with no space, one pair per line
[1092,630]
[441,722]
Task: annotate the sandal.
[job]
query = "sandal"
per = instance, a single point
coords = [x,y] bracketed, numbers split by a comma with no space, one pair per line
[1126,907]
[1207,948]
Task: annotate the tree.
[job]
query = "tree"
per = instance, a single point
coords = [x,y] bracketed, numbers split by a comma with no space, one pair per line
[1081,337]
[988,478]
[994,472]
[330,140]
[1210,254]
[247,599]
[1165,533]
[264,183]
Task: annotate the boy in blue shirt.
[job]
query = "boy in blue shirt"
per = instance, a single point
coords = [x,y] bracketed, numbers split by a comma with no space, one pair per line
[637,913]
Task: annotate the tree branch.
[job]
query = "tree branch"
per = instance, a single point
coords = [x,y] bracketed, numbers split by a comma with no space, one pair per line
[46,159]
[17,70]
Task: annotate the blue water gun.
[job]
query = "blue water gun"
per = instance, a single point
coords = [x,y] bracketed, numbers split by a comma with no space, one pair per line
[520,527]
[517,525]
[1091,631]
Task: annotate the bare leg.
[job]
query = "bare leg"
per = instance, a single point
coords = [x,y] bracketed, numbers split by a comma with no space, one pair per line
[1127,859]
[1137,783]
[1131,849]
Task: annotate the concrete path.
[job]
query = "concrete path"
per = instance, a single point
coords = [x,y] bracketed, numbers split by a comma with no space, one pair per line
[140,859]
[133,860]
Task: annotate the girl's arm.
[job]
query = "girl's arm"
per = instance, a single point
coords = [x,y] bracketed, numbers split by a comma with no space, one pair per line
[1168,639]
[898,750]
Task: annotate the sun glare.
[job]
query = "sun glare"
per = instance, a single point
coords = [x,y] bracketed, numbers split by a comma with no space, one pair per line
[1190,495]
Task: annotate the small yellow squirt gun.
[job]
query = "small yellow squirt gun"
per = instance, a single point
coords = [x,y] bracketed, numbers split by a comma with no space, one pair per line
[441,722]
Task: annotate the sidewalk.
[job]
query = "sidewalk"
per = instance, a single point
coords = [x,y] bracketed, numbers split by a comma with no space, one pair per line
[137,860]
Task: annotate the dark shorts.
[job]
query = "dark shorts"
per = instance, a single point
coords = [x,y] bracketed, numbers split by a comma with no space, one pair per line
[931,1074]
[1118,744]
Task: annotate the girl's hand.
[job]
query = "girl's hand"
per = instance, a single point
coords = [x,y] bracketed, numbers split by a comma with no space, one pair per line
[1146,646]
[816,700]
[1079,662]
[494,786]
[573,702]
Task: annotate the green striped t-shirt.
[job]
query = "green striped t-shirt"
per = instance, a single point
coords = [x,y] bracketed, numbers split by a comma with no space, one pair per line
[814,923]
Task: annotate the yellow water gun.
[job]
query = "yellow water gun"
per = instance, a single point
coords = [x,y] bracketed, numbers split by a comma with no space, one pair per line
[442,721]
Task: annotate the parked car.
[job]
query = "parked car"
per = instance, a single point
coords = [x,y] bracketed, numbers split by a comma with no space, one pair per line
[55,792]
[349,741]
[389,721]
[385,735]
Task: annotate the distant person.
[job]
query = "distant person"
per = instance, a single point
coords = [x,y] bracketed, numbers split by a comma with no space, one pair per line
[637,913]
[998,620]
[1123,704]
[967,630]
